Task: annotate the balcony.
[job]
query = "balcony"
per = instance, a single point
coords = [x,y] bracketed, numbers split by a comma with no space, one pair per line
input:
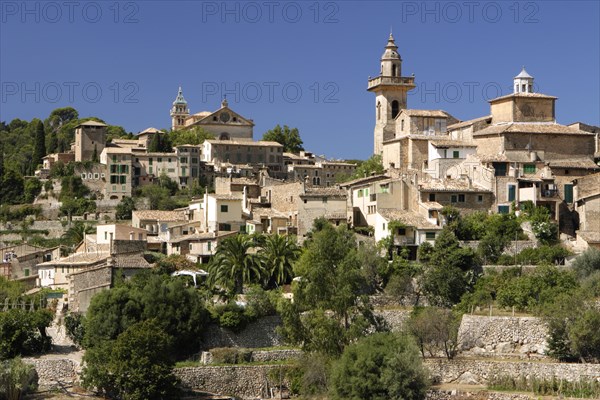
[392,80]
[549,193]
[403,241]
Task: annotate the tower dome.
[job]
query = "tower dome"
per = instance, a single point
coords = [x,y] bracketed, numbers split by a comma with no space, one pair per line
[523,83]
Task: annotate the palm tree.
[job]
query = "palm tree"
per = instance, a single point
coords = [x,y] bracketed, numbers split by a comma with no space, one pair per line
[278,254]
[234,263]
[74,235]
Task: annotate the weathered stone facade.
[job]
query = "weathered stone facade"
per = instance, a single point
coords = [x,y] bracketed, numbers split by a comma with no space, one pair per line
[259,333]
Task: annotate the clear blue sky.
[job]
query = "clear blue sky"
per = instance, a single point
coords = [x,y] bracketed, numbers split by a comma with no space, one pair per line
[57,54]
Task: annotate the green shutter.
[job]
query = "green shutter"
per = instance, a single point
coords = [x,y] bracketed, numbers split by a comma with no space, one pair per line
[503,209]
[511,192]
[569,193]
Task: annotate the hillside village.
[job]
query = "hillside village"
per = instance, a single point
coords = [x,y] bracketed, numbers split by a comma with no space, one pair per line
[515,159]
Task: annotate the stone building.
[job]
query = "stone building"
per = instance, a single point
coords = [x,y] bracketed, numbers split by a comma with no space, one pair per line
[224,124]
[119,170]
[390,89]
[587,207]
[90,139]
[229,155]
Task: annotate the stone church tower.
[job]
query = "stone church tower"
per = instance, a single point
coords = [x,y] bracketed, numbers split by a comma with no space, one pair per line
[390,89]
[179,111]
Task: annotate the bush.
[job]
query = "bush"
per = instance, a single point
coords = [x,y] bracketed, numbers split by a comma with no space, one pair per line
[24,332]
[230,355]
[259,302]
[587,263]
[17,379]
[380,366]
[74,326]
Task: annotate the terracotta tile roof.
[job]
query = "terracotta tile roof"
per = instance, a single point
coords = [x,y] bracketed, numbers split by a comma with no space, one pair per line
[267,212]
[226,196]
[425,113]
[365,180]
[541,128]
[118,150]
[408,218]
[323,192]
[588,186]
[523,94]
[582,163]
[91,123]
[78,259]
[130,261]
[451,143]
[468,122]
[432,205]
[149,130]
[160,215]
[242,143]
[451,185]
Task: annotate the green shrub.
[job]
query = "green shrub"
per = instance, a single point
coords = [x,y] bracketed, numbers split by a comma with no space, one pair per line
[74,326]
[230,355]
[16,379]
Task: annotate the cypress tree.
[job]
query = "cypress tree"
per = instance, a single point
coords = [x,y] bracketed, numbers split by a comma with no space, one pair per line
[40,145]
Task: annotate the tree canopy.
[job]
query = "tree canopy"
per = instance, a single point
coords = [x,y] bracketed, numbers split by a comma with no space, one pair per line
[286,136]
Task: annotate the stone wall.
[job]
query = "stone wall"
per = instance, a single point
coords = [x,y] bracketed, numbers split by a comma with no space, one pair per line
[477,395]
[259,333]
[395,319]
[478,372]
[510,248]
[246,382]
[262,356]
[502,335]
[55,373]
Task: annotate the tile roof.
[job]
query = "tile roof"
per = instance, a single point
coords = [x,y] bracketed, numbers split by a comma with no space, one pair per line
[451,143]
[523,94]
[161,215]
[408,218]
[323,192]
[582,163]
[432,205]
[365,180]
[468,122]
[425,113]
[588,185]
[451,185]
[130,261]
[78,259]
[226,196]
[541,128]
[91,123]
[244,143]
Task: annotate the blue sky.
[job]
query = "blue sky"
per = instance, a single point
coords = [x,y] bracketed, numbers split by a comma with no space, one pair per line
[303,63]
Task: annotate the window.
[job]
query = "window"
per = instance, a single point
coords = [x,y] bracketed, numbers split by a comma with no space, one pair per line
[150,161]
[122,179]
[402,231]
[431,196]
[430,235]
[529,168]
[480,198]
[499,169]
[360,193]
[159,159]
[503,209]
[183,160]
[455,154]
[209,245]
[453,198]
[461,198]
[325,200]
[511,192]
[224,208]
[395,108]
[568,192]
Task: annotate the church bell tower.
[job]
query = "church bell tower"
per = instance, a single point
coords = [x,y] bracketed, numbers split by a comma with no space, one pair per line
[390,89]
[179,111]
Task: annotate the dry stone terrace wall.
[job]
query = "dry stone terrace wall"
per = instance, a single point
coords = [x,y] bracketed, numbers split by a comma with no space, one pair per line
[478,372]
[502,335]
[259,333]
[246,382]
[55,373]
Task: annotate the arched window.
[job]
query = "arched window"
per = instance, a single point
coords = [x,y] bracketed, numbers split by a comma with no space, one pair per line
[378,110]
[394,70]
[224,136]
[402,127]
[395,108]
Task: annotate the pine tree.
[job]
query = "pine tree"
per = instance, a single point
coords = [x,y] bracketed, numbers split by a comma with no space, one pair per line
[40,145]
[52,143]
